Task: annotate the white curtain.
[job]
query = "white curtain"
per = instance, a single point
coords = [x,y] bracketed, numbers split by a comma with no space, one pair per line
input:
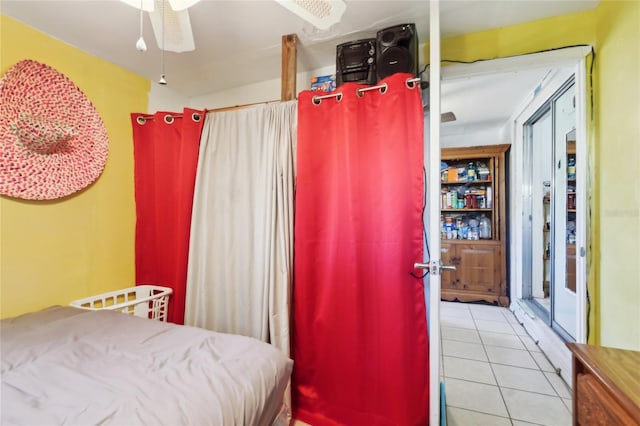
[241,250]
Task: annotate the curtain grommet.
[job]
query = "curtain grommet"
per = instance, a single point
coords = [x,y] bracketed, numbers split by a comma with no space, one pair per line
[316,100]
[141,120]
[360,93]
[383,89]
[410,83]
[168,119]
[196,117]
[339,97]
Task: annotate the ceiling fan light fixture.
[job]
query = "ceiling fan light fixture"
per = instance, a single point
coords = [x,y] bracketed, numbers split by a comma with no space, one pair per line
[178,36]
[179,5]
[148,5]
[320,13]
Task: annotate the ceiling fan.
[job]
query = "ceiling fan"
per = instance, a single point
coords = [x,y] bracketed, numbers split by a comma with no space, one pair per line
[172,25]
[170,22]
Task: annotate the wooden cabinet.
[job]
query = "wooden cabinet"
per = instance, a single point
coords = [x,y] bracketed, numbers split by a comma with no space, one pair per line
[473,224]
[478,269]
[606,385]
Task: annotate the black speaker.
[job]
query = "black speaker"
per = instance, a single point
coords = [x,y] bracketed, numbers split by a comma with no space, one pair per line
[397,50]
[356,62]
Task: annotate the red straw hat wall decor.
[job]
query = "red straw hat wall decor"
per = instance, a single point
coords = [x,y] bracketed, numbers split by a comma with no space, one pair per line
[53,142]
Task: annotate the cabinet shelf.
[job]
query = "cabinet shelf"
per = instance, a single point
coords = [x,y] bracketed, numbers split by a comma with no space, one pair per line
[466,182]
[465,210]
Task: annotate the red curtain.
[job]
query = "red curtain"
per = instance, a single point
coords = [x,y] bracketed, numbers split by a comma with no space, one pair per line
[166,158]
[360,345]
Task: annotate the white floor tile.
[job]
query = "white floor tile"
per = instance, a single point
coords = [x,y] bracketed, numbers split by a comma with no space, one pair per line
[522,379]
[462,417]
[520,331]
[488,315]
[475,397]
[501,339]
[559,385]
[453,305]
[536,408]
[521,423]
[495,326]
[455,322]
[529,344]
[456,313]
[460,334]
[514,357]
[463,350]
[568,403]
[474,371]
[511,317]
[543,362]
[481,307]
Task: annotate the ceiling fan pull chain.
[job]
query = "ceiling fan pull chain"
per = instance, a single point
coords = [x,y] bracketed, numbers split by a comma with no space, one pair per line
[162,80]
[140,44]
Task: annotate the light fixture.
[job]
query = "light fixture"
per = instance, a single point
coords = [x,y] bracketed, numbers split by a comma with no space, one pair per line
[320,13]
[162,81]
[174,21]
[140,44]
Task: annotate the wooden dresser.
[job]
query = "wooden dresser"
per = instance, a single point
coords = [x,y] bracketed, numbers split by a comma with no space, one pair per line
[606,385]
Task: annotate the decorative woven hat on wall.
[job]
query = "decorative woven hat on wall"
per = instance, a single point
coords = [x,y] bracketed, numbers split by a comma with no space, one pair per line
[53,141]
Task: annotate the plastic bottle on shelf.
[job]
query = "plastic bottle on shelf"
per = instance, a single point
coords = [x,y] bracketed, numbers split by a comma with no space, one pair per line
[571,168]
[471,172]
[485,228]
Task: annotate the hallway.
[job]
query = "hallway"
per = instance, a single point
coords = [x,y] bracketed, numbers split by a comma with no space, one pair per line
[494,373]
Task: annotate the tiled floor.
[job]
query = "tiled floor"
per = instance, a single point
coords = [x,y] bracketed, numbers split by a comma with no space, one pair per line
[494,373]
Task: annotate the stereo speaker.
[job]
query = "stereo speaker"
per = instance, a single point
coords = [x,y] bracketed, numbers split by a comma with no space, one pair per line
[397,50]
[356,62]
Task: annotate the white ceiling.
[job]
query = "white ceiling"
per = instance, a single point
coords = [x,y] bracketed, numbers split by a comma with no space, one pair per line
[238,42]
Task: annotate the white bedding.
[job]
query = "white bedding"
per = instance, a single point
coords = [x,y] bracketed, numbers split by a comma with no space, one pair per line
[64,365]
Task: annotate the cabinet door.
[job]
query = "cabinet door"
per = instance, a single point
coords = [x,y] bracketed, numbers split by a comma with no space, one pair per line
[479,268]
[447,257]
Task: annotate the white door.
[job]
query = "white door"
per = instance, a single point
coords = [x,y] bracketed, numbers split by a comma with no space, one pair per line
[432,212]
[563,300]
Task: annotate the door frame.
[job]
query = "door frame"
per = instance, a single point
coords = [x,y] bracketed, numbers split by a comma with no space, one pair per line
[432,163]
[571,56]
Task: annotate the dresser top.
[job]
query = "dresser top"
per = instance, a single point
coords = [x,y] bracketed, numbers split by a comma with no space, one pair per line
[618,369]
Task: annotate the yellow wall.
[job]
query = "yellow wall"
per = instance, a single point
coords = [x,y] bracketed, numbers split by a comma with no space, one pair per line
[56,251]
[614,142]
[618,153]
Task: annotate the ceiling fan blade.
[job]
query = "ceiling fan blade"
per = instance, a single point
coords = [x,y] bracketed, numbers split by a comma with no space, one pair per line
[445,117]
[320,13]
[176,30]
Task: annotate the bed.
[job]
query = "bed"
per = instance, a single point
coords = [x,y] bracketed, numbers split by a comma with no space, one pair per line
[64,365]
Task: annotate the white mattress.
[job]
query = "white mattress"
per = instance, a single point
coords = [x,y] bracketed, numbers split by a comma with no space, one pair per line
[64,365]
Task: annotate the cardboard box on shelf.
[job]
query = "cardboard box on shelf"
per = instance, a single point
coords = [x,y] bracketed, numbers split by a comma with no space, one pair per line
[323,83]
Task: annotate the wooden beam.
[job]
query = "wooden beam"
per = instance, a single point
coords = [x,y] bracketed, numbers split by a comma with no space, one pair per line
[289,61]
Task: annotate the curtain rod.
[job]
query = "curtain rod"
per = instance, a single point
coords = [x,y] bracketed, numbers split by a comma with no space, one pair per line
[144,117]
[231,108]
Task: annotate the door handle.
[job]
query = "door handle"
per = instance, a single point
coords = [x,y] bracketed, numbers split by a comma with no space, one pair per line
[427,266]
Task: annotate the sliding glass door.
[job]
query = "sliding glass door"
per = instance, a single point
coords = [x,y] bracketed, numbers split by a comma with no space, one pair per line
[550,211]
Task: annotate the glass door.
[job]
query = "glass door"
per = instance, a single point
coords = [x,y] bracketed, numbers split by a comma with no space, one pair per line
[563,301]
[550,231]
